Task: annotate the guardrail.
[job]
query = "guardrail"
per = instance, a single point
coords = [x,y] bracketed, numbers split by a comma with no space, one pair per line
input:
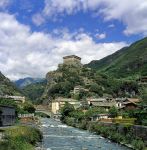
[26,115]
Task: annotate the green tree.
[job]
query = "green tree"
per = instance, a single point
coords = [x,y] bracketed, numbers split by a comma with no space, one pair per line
[80,95]
[29,108]
[96,89]
[144,98]
[67,110]
[113,111]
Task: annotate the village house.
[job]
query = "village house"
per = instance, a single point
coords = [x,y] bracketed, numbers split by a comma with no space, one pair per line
[130,103]
[78,88]
[95,100]
[105,103]
[7,115]
[99,117]
[58,103]
[120,103]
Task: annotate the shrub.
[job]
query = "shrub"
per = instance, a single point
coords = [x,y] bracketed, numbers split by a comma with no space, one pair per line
[117,137]
[15,144]
[83,125]
[113,111]
[29,108]
[144,122]
[69,121]
[138,144]
[66,111]
[21,138]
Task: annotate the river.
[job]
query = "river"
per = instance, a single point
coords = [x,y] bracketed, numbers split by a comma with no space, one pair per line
[57,136]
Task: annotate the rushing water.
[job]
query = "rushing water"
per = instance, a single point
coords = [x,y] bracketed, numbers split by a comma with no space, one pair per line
[57,136]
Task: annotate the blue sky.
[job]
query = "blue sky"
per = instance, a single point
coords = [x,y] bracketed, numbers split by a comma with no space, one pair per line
[89,21]
[36,34]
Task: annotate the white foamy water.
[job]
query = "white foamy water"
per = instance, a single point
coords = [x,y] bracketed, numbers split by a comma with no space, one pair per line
[58,136]
[62,126]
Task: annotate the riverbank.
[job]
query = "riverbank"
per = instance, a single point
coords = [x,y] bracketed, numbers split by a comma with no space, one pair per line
[112,132]
[20,138]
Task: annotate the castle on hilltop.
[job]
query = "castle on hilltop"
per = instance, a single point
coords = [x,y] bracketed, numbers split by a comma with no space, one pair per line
[71,60]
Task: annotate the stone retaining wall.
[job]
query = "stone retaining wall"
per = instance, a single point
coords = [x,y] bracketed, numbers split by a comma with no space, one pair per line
[138,130]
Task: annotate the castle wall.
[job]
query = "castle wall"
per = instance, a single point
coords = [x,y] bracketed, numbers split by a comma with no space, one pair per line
[72,61]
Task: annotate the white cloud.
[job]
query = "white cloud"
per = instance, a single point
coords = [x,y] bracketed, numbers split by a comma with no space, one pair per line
[100,35]
[132,14]
[38,19]
[4,3]
[111,26]
[25,53]
[68,6]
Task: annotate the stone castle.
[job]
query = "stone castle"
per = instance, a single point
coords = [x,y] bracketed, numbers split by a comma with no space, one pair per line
[71,60]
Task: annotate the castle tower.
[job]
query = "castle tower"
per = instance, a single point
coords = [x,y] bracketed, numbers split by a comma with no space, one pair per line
[72,60]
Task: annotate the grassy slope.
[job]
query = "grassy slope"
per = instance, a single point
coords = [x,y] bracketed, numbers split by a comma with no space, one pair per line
[128,61]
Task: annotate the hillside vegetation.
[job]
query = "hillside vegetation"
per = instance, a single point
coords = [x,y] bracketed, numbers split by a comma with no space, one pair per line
[7,87]
[34,91]
[112,76]
[129,61]
[61,83]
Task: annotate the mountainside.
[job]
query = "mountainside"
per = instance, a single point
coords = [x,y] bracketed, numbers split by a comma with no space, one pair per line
[129,61]
[26,81]
[88,83]
[34,91]
[7,87]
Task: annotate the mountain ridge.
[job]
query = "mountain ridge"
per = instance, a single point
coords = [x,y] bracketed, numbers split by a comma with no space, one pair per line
[21,83]
[126,62]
